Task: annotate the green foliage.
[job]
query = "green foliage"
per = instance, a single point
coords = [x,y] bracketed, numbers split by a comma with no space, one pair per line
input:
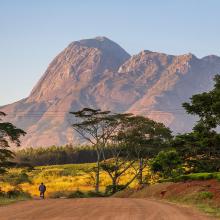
[168,163]
[16,178]
[200,150]
[14,193]
[17,193]
[193,176]
[77,194]
[56,155]
[95,194]
[58,194]
[143,136]
[110,189]
[206,106]
[205,195]
[9,134]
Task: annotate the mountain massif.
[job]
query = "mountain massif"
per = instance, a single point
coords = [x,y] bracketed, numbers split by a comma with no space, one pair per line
[98,73]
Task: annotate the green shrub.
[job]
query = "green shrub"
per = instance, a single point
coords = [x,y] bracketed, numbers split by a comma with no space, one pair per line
[110,188]
[15,193]
[2,193]
[217,176]
[58,194]
[204,165]
[95,194]
[205,195]
[168,163]
[77,194]
[193,176]
[16,178]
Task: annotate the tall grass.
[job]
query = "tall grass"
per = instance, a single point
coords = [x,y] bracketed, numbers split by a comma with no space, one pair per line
[61,178]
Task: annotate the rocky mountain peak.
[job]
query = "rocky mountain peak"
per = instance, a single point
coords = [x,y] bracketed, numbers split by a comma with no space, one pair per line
[98,73]
[145,60]
[80,62]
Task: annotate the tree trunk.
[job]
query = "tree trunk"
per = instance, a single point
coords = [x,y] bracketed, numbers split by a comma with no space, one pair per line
[97,173]
[141,171]
[114,185]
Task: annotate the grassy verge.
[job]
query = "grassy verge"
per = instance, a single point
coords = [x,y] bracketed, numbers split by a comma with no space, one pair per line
[201,194]
[200,200]
[13,196]
[76,194]
[194,176]
[7,201]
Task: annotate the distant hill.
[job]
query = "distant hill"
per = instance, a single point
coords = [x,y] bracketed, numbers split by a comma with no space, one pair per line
[98,73]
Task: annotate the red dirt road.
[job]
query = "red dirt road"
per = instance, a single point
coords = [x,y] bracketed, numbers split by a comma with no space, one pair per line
[97,209]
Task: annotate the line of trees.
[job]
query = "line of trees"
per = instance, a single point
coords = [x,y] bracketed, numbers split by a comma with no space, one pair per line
[55,155]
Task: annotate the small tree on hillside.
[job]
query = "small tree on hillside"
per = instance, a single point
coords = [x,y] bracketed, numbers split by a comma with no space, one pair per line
[9,134]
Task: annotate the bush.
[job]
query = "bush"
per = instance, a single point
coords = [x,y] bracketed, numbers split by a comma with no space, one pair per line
[193,176]
[58,194]
[167,163]
[204,165]
[95,194]
[2,193]
[109,189]
[205,195]
[16,178]
[15,193]
[77,194]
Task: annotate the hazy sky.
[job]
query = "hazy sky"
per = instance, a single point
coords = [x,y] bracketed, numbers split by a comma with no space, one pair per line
[32,32]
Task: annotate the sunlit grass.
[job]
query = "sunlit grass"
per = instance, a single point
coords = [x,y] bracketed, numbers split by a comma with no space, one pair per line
[68,177]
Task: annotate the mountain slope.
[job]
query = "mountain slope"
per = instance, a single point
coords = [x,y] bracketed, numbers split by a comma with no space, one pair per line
[98,73]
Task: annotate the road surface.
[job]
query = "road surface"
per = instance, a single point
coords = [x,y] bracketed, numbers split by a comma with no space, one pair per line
[97,209]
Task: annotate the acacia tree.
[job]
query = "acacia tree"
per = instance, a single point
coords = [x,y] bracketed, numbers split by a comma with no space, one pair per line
[9,134]
[117,165]
[96,127]
[121,158]
[145,138]
[136,138]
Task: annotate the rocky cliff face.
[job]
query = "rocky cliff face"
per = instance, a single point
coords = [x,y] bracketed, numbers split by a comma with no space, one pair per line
[98,73]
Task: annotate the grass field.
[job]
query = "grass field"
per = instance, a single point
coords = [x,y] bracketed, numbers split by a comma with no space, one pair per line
[62,178]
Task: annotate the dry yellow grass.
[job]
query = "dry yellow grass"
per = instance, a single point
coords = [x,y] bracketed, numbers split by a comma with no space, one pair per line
[67,178]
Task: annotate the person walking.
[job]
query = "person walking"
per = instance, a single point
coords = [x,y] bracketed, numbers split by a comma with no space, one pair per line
[42,189]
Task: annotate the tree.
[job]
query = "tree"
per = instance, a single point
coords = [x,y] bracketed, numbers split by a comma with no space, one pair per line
[136,138]
[119,163]
[199,149]
[203,142]
[96,127]
[145,138]
[9,134]
[168,163]
[207,106]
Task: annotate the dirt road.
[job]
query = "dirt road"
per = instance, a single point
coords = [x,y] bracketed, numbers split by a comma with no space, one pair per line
[96,209]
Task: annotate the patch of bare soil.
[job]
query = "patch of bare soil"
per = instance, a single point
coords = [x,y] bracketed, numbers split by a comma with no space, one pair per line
[97,209]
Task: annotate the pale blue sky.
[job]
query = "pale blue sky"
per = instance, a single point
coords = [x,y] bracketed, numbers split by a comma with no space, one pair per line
[32,32]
